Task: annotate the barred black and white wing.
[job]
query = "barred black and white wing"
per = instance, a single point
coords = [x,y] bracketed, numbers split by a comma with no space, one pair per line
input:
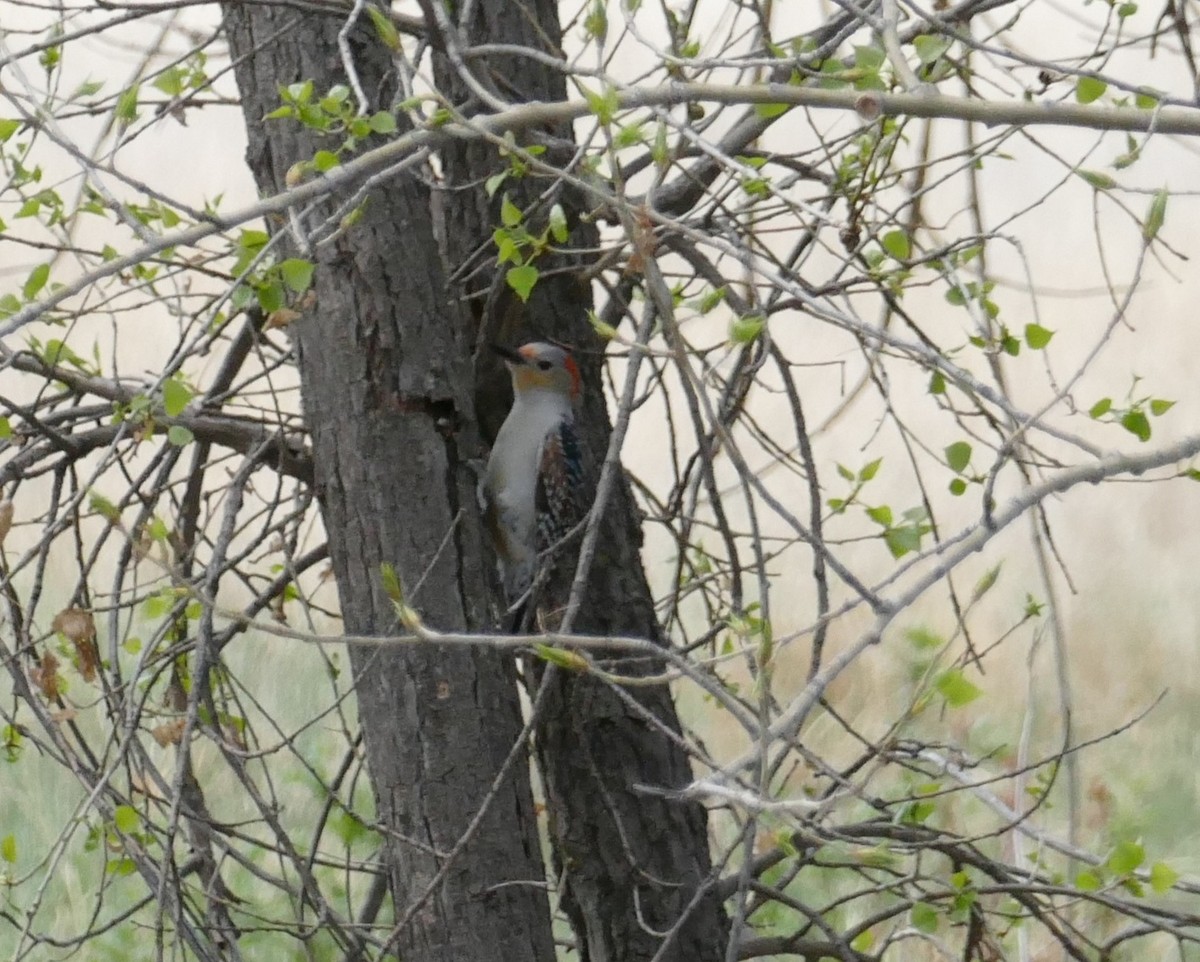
[560,499]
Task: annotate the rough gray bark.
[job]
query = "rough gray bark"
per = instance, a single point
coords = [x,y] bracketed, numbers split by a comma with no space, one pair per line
[621,853]
[385,380]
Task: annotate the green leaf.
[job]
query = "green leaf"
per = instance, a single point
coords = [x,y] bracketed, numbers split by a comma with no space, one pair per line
[930,47]
[384,28]
[1147,98]
[126,818]
[492,184]
[103,507]
[571,660]
[985,584]
[1097,179]
[1162,877]
[660,153]
[954,686]
[900,541]
[1101,407]
[170,81]
[603,105]
[127,105]
[596,22]
[325,160]
[769,111]
[1159,406]
[870,470]
[869,57]
[297,274]
[521,279]
[881,515]
[8,128]
[630,135]
[896,243]
[743,330]
[711,299]
[958,487]
[1125,858]
[176,396]
[1136,423]
[8,849]
[603,330]
[383,122]
[1155,215]
[298,93]
[391,582]
[1037,337]
[1127,10]
[863,941]
[558,223]
[958,456]
[937,383]
[1087,881]
[180,436]
[5,429]
[36,281]
[510,213]
[1088,89]
[924,917]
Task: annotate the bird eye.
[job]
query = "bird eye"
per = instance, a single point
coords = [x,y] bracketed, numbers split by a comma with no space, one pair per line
[544,365]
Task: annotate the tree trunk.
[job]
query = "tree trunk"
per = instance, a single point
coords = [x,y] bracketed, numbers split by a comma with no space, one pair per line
[385,378]
[620,853]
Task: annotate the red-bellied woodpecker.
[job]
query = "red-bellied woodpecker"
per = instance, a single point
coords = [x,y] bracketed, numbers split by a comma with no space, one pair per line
[532,489]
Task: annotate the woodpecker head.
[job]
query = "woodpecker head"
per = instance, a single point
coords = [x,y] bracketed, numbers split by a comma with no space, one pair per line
[541,367]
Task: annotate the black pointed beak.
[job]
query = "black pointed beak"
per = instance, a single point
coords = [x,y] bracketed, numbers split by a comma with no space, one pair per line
[509,355]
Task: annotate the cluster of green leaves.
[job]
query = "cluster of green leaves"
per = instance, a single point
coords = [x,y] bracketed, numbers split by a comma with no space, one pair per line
[1119,868]
[141,411]
[901,535]
[516,162]
[267,281]
[949,686]
[174,81]
[865,166]
[1134,414]
[333,115]
[517,245]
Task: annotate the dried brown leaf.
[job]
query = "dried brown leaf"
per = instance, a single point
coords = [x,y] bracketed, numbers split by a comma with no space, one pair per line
[280,318]
[45,676]
[78,626]
[6,518]
[169,733]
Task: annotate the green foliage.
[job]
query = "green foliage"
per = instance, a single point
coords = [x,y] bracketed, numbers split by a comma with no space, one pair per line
[604,104]
[176,395]
[745,330]
[958,456]
[1135,413]
[522,280]
[334,116]
[1037,337]
[898,244]
[1155,215]
[956,689]
[1089,89]
[180,436]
